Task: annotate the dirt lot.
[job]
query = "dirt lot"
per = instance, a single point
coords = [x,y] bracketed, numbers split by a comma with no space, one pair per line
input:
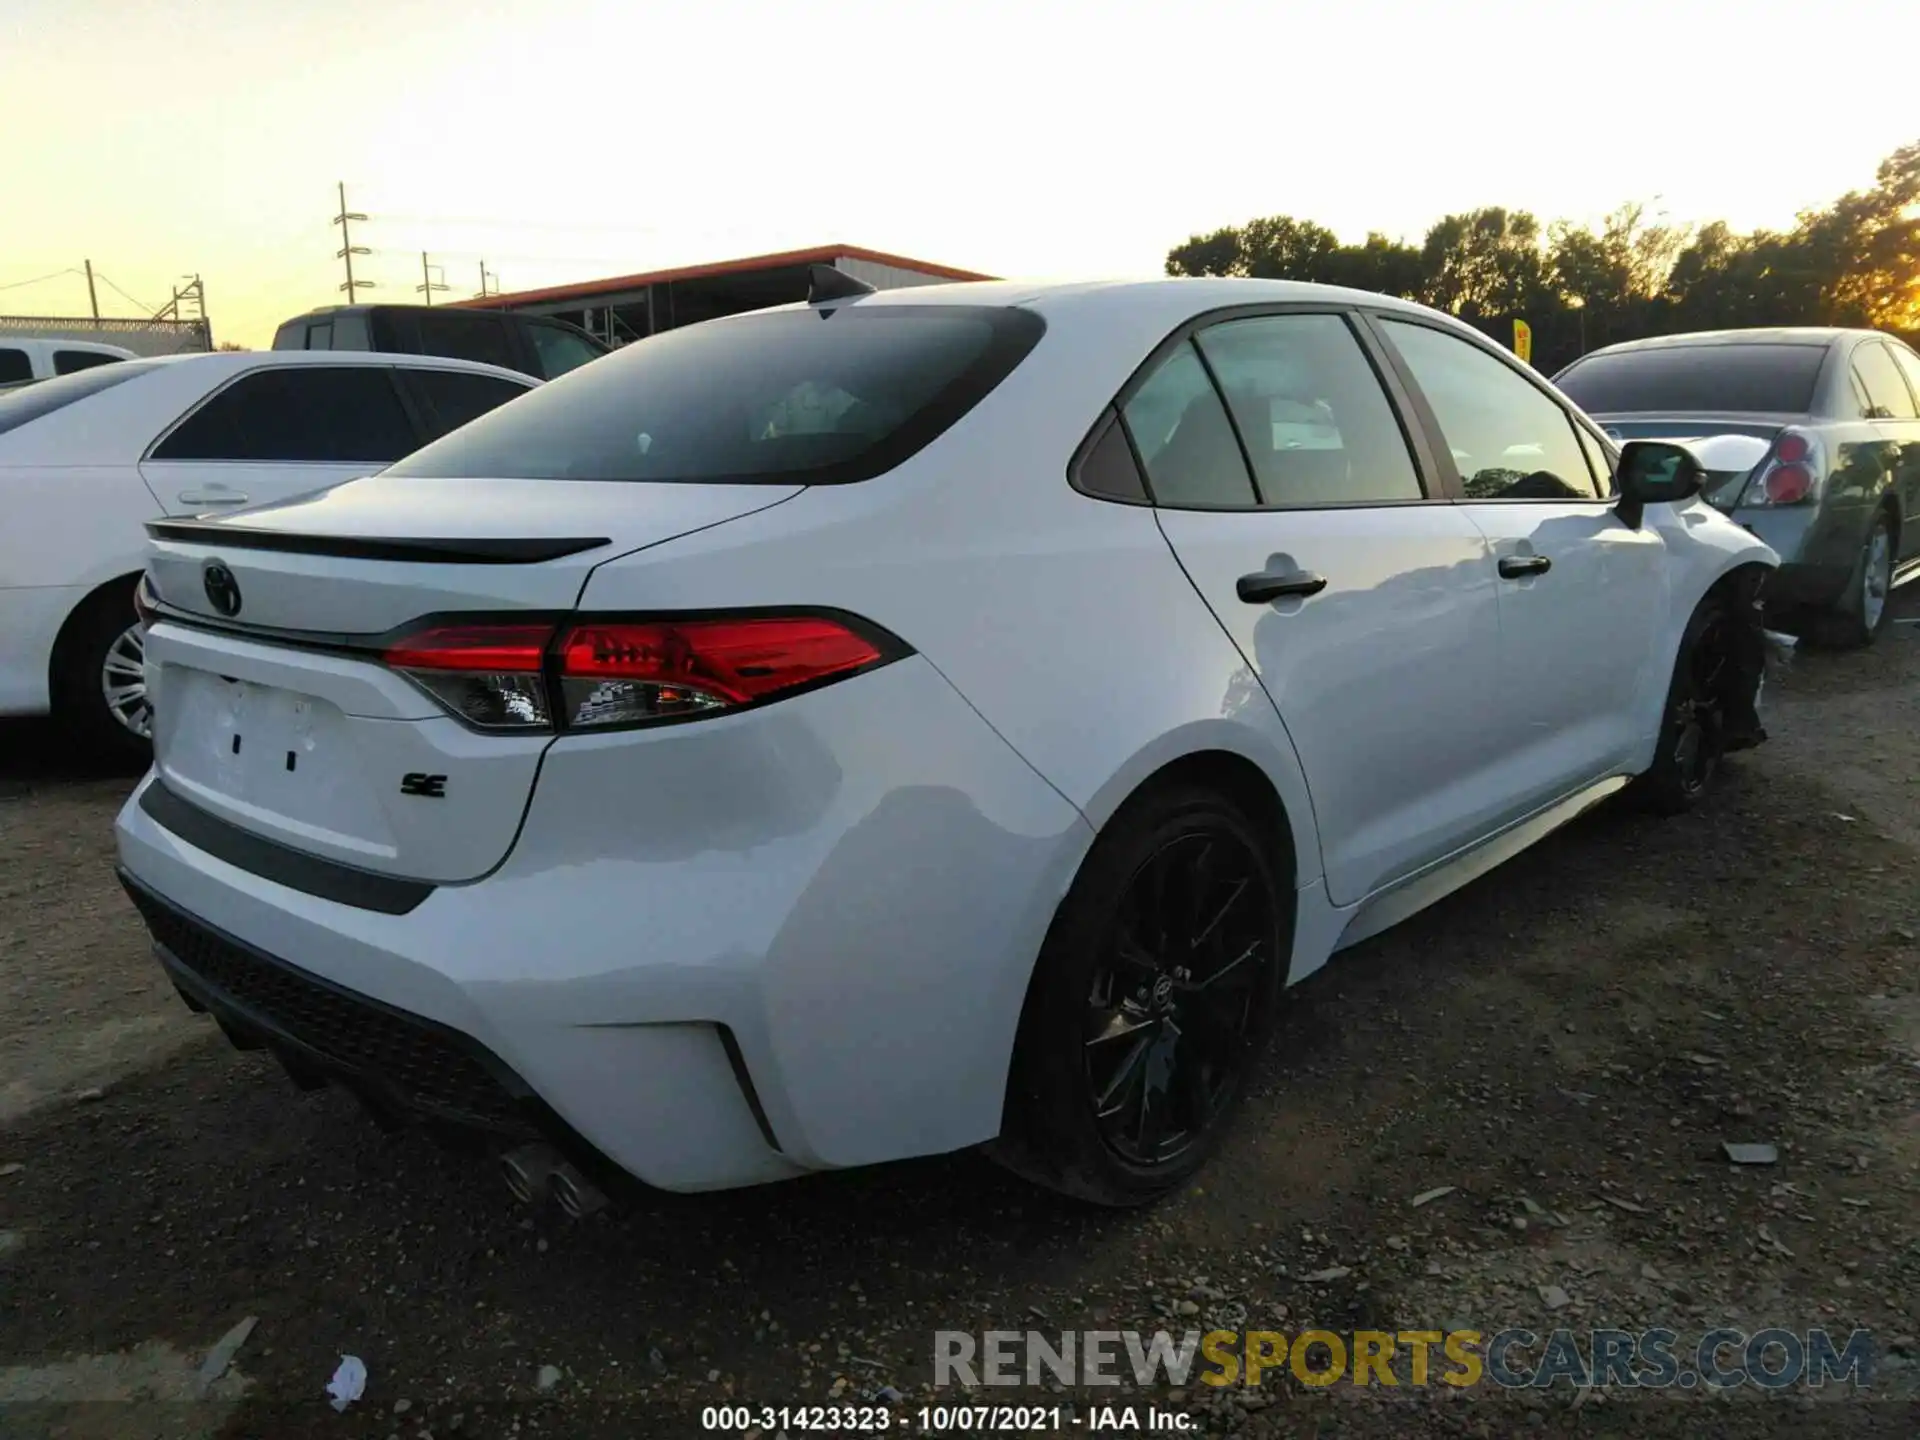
[1566,1043]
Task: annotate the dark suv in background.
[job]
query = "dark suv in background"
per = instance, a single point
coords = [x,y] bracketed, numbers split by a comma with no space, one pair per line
[531,344]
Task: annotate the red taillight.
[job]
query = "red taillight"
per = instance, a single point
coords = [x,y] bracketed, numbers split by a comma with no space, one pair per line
[489,675]
[515,648]
[1789,475]
[622,672]
[619,672]
[1788,484]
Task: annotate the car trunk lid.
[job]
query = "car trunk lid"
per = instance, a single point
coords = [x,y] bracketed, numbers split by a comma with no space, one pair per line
[274,711]
[1728,463]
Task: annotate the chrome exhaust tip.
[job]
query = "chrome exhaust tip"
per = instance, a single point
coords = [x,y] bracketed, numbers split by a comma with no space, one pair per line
[529,1172]
[578,1197]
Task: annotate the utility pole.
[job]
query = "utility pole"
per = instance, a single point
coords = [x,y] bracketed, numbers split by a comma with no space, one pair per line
[485,276]
[92,298]
[428,284]
[347,248]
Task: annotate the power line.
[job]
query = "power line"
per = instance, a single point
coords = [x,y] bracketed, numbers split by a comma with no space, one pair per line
[106,280]
[39,280]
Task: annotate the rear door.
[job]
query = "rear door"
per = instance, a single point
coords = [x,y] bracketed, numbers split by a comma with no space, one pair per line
[1362,599]
[1582,595]
[277,432]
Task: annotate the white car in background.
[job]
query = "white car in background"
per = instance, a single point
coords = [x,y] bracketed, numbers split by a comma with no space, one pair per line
[87,458]
[874,727]
[24,360]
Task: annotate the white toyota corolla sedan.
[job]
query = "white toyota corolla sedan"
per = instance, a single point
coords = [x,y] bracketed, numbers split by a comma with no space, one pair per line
[903,721]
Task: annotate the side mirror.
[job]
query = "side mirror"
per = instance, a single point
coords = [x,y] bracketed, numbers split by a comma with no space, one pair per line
[1654,472]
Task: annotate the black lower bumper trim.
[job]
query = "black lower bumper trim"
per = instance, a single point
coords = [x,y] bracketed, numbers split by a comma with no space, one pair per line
[402,1065]
[270,860]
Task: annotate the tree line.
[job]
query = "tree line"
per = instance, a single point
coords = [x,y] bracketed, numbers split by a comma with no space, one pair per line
[1855,262]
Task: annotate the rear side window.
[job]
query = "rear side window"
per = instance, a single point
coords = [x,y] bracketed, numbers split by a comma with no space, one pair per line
[350,333]
[1185,440]
[1886,391]
[1753,378]
[313,413]
[69,362]
[14,365]
[448,399]
[1909,366]
[320,335]
[21,406]
[464,335]
[782,397]
[560,350]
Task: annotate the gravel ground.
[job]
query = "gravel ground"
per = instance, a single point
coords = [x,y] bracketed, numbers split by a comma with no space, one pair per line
[1565,1043]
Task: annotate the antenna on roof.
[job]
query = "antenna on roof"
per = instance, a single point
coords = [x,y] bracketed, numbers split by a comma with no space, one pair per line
[825,283]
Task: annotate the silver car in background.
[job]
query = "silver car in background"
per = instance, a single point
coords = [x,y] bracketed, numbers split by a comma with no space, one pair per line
[1830,476]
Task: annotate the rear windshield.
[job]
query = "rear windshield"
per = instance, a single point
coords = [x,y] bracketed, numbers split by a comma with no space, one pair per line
[1753,378]
[17,407]
[814,397]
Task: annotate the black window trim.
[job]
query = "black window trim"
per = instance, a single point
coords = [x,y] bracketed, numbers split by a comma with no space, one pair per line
[1419,452]
[1430,421]
[151,455]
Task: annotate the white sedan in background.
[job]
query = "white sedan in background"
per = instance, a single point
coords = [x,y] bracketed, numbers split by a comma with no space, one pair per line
[85,458]
[879,726]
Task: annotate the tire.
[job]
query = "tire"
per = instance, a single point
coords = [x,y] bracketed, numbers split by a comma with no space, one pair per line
[1112,1023]
[103,632]
[1687,757]
[1863,611]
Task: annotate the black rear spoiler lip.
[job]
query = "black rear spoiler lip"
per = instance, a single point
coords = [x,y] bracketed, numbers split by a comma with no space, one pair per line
[441,550]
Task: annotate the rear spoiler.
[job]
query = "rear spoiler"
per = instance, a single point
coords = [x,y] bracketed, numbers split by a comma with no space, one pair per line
[440,550]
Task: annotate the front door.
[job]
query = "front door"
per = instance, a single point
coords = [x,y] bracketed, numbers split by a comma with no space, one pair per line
[1582,595]
[1366,608]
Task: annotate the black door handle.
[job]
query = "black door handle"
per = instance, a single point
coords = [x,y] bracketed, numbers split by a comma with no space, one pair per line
[1265,587]
[1515,567]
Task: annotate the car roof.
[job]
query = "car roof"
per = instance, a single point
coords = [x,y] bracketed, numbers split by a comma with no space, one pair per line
[233,362]
[1814,335]
[1200,293]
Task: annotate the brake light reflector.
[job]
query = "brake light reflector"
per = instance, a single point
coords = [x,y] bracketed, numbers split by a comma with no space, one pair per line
[489,675]
[620,672]
[1787,484]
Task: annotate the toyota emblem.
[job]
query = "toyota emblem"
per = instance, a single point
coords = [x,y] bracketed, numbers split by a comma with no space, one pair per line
[223,591]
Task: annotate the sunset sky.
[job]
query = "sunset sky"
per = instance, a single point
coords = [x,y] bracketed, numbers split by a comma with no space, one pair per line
[567,139]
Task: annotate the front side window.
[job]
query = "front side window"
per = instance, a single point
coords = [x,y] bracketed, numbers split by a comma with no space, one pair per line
[1886,391]
[560,350]
[69,362]
[1185,441]
[317,414]
[1508,439]
[1315,421]
[320,336]
[14,365]
[797,397]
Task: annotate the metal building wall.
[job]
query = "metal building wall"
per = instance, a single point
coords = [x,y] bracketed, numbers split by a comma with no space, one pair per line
[885,277]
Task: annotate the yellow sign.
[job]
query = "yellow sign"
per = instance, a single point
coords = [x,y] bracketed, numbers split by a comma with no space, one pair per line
[1523,340]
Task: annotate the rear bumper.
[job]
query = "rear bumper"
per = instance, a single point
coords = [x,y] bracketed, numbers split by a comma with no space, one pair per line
[718,954]
[1817,545]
